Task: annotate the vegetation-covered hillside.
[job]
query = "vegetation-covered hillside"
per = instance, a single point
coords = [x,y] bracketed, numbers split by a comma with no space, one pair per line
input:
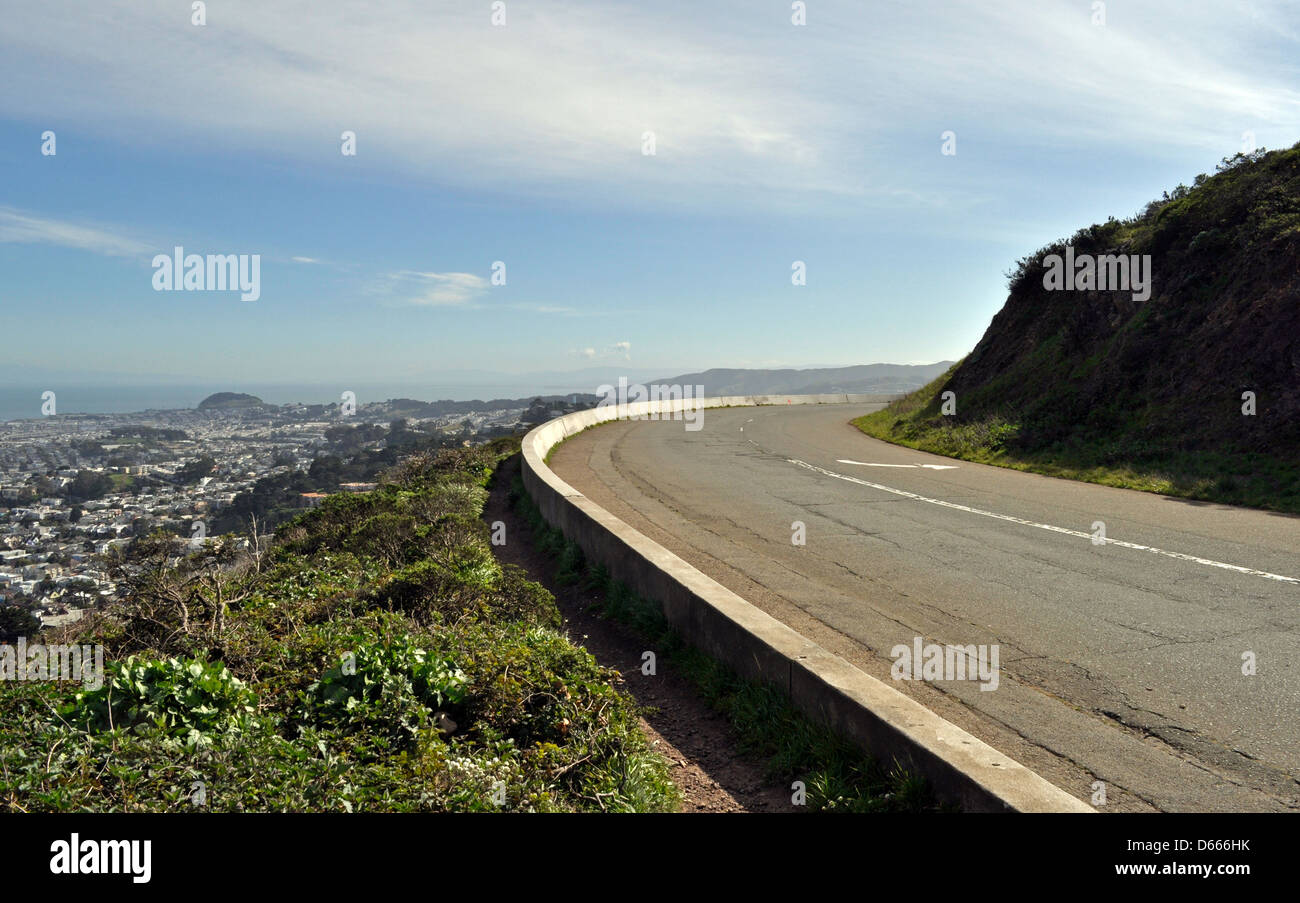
[375,657]
[1146,393]
[226,400]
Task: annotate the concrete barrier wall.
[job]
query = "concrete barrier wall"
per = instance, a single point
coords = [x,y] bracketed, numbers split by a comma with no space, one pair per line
[882,721]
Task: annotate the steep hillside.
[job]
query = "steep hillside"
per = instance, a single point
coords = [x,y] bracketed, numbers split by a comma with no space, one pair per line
[1140,391]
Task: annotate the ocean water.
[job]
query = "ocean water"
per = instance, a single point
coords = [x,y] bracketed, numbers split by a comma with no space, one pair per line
[23,402]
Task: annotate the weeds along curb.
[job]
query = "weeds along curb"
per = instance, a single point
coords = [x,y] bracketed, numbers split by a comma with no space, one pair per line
[832,773]
[883,722]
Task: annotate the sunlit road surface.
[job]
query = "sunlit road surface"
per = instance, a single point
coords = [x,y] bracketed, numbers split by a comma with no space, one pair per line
[1121,662]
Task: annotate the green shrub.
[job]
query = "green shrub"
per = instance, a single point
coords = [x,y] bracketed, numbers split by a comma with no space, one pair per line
[430,591]
[187,699]
[388,536]
[393,687]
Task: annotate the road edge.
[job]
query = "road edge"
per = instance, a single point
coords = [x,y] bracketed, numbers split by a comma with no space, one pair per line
[881,720]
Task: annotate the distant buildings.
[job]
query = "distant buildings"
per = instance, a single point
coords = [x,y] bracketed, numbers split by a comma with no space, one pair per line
[43,461]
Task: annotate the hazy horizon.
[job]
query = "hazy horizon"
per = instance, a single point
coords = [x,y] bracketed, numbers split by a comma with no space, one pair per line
[22,400]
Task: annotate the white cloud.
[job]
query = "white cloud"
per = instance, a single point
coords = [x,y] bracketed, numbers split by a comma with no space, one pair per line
[558,309]
[24,228]
[305,260]
[1167,73]
[620,350]
[440,289]
[563,91]
[744,106]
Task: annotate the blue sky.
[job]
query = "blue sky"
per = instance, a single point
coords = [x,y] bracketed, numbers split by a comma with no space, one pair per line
[523,143]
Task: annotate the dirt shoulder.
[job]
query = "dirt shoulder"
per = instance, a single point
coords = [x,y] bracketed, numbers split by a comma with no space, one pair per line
[711,772]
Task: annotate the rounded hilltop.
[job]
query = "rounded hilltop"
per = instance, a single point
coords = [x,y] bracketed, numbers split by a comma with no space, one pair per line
[225,400]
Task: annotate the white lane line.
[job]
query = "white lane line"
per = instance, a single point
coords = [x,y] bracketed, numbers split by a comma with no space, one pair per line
[1029,523]
[926,466]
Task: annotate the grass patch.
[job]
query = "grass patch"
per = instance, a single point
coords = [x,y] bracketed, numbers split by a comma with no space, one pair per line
[375,658]
[1247,479]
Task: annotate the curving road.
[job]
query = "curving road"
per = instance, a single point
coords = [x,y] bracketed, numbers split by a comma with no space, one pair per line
[1120,662]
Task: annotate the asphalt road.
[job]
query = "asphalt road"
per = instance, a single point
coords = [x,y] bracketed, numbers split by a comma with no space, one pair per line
[1119,663]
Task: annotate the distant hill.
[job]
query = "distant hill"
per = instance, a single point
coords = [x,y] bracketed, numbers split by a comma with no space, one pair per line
[884,379]
[227,400]
[1149,390]
[410,407]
